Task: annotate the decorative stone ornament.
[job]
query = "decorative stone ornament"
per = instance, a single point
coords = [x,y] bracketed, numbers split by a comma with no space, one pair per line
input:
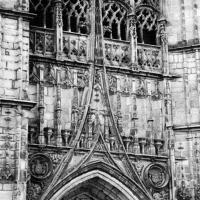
[156,176]
[40,166]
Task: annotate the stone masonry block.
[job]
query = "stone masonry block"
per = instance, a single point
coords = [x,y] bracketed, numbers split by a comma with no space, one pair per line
[7,195]
[10,74]
[10,58]
[7,45]
[10,31]
[7,187]
[16,84]
[2,91]
[11,93]
[9,38]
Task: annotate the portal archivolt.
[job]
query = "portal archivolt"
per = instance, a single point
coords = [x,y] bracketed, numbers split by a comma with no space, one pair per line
[94,185]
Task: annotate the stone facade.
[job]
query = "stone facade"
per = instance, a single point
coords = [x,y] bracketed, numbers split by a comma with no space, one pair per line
[99,99]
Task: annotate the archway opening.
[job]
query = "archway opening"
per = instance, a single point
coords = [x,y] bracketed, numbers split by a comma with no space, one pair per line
[94,189]
[94,185]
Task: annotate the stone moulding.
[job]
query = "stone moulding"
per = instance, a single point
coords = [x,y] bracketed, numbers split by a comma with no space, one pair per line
[15,102]
[156,176]
[15,14]
[102,167]
[41,166]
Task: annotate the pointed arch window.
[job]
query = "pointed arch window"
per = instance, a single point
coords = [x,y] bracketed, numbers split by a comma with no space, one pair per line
[75,16]
[44,13]
[114,17]
[147,12]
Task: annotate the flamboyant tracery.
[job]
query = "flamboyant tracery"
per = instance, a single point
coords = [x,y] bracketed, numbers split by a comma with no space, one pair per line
[146,26]
[44,13]
[76,17]
[114,21]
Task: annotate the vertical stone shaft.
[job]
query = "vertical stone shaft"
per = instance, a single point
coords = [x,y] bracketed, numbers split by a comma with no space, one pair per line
[58,23]
[171,136]
[191,161]
[58,110]
[91,39]
[186,89]
[195,21]
[167,100]
[164,44]
[197,64]
[119,113]
[21,181]
[41,106]
[20,69]
[133,34]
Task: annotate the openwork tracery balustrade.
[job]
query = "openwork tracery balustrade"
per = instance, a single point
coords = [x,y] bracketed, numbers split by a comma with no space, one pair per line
[117,53]
[75,47]
[149,58]
[76,28]
[42,42]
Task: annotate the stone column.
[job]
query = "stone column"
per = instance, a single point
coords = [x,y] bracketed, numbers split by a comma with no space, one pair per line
[58,23]
[22,158]
[91,38]
[132,19]
[197,64]
[119,114]
[162,37]
[41,106]
[191,162]
[171,136]
[58,111]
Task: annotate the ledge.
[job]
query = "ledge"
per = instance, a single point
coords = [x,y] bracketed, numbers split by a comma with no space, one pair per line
[61,149]
[184,48]
[183,128]
[16,14]
[14,102]
[121,70]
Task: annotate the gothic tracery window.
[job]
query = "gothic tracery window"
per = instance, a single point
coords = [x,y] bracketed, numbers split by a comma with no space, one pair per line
[147,12]
[114,21]
[75,16]
[44,13]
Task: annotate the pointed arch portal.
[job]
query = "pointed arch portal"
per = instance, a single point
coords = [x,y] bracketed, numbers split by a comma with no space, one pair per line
[94,185]
[96,181]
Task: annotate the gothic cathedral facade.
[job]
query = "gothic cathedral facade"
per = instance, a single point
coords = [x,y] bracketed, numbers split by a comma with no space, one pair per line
[99,100]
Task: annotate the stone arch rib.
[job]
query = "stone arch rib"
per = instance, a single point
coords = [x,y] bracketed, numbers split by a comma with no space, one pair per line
[101,170]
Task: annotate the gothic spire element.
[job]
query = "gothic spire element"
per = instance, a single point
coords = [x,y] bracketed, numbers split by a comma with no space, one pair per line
[97,107]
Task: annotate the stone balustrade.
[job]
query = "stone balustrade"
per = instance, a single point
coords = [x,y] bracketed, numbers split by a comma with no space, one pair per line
[76,48]
[42,42]
[149,58]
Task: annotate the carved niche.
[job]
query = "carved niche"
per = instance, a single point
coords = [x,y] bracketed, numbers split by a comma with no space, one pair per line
[41,166]
[156,176]
[112,84]
[141,91]
[126,86]
[156,94]
[82,79]
[50,75]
